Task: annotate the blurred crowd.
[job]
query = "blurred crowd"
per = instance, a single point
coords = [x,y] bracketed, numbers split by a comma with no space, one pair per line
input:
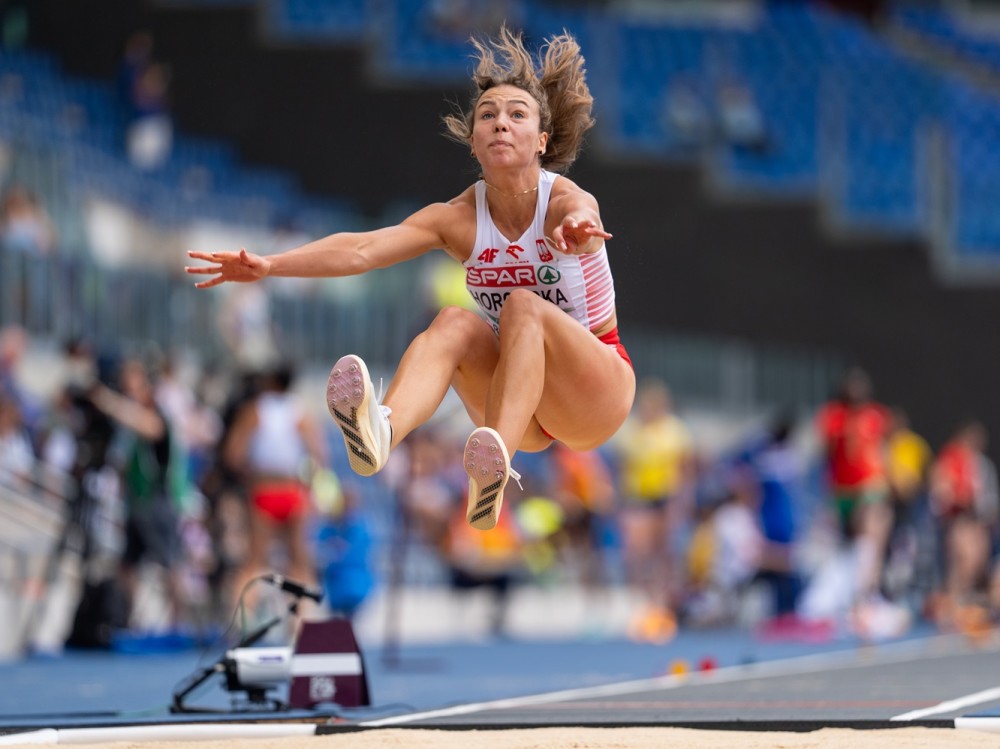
[813,525]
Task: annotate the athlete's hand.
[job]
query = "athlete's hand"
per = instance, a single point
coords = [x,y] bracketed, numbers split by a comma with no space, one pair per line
[238,267]
[576,236]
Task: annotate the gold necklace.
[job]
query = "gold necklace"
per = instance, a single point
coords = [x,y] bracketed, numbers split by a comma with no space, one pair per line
[510,194]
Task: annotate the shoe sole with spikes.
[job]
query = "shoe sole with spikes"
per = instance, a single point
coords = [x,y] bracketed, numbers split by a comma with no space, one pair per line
[353,406]
[488,466]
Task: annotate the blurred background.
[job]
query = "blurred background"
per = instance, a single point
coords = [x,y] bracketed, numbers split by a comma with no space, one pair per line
[796,189]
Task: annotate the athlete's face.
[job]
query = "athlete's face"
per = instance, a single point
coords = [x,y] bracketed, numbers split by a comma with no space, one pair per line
[506,128]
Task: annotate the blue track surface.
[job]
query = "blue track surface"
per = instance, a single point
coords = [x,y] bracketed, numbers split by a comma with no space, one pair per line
[419,678]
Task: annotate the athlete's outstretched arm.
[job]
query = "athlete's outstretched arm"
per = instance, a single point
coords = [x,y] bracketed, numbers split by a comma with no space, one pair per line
[342,254]
[575,219]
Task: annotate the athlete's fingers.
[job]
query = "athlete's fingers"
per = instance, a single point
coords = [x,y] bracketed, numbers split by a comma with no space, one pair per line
[591,227]
[209,283]
[203,269]
[558,239]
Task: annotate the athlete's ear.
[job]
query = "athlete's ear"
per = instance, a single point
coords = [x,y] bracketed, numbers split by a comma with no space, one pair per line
[543,142]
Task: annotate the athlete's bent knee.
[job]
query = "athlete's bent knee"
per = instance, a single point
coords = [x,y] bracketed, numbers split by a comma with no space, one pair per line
[519,305]
[457,324]
[456,316]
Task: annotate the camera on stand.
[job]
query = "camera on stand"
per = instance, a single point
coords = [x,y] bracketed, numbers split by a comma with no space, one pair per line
[324,666]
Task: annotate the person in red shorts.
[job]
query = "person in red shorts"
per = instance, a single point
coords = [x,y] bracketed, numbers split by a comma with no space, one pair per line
[275,446]
[853,429]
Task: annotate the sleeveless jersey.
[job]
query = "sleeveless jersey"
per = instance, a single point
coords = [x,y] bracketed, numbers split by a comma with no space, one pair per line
[580,285]
[276,446]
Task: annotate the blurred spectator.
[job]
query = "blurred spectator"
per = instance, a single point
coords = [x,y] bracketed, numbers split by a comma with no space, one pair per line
[137,55]
[964,501]
[222,485]
[25,225]
[853,430]
[484,559]
[17,457]
[27,235]
[276,446]
[656,456]
[908,460]
[197,563]
[150,135]
[196,427]
[73,439]
[582,485]
[246,327]
[724,557]
[741,121]
[742,560]
[779,471]
[685,113]
[151,517]
[429,495]
[77,437]
[144,84]
[343,546]
[77,419]
[740,544]
[14,342]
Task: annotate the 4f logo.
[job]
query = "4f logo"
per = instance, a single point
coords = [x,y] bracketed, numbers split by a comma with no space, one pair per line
[488,255]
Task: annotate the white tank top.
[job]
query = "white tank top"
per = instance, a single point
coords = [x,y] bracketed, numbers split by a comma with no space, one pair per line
[580,285]
[276,446]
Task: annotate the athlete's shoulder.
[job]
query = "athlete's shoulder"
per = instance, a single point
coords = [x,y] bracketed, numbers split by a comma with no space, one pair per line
[465,201]
[460,211]
[561,183]
[567,192]
[454,221]
[444,212]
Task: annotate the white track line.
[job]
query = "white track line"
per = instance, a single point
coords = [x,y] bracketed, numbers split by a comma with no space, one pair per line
[899,652]
[976,698]
[161,732]
[991,725]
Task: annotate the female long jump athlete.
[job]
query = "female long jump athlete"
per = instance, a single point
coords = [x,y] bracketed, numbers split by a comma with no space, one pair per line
[544,361]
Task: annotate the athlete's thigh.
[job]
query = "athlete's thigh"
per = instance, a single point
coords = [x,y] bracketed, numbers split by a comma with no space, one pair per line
[588,386]
[475,371]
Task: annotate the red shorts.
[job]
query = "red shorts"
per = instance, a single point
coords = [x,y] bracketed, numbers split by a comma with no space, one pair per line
[611,338]
[280,500]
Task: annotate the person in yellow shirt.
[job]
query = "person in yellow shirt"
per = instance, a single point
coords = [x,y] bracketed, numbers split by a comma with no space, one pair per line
[907,459]
[656,459]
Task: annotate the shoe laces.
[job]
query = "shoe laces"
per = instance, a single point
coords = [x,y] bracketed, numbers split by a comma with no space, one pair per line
[384,410]
[516,476]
